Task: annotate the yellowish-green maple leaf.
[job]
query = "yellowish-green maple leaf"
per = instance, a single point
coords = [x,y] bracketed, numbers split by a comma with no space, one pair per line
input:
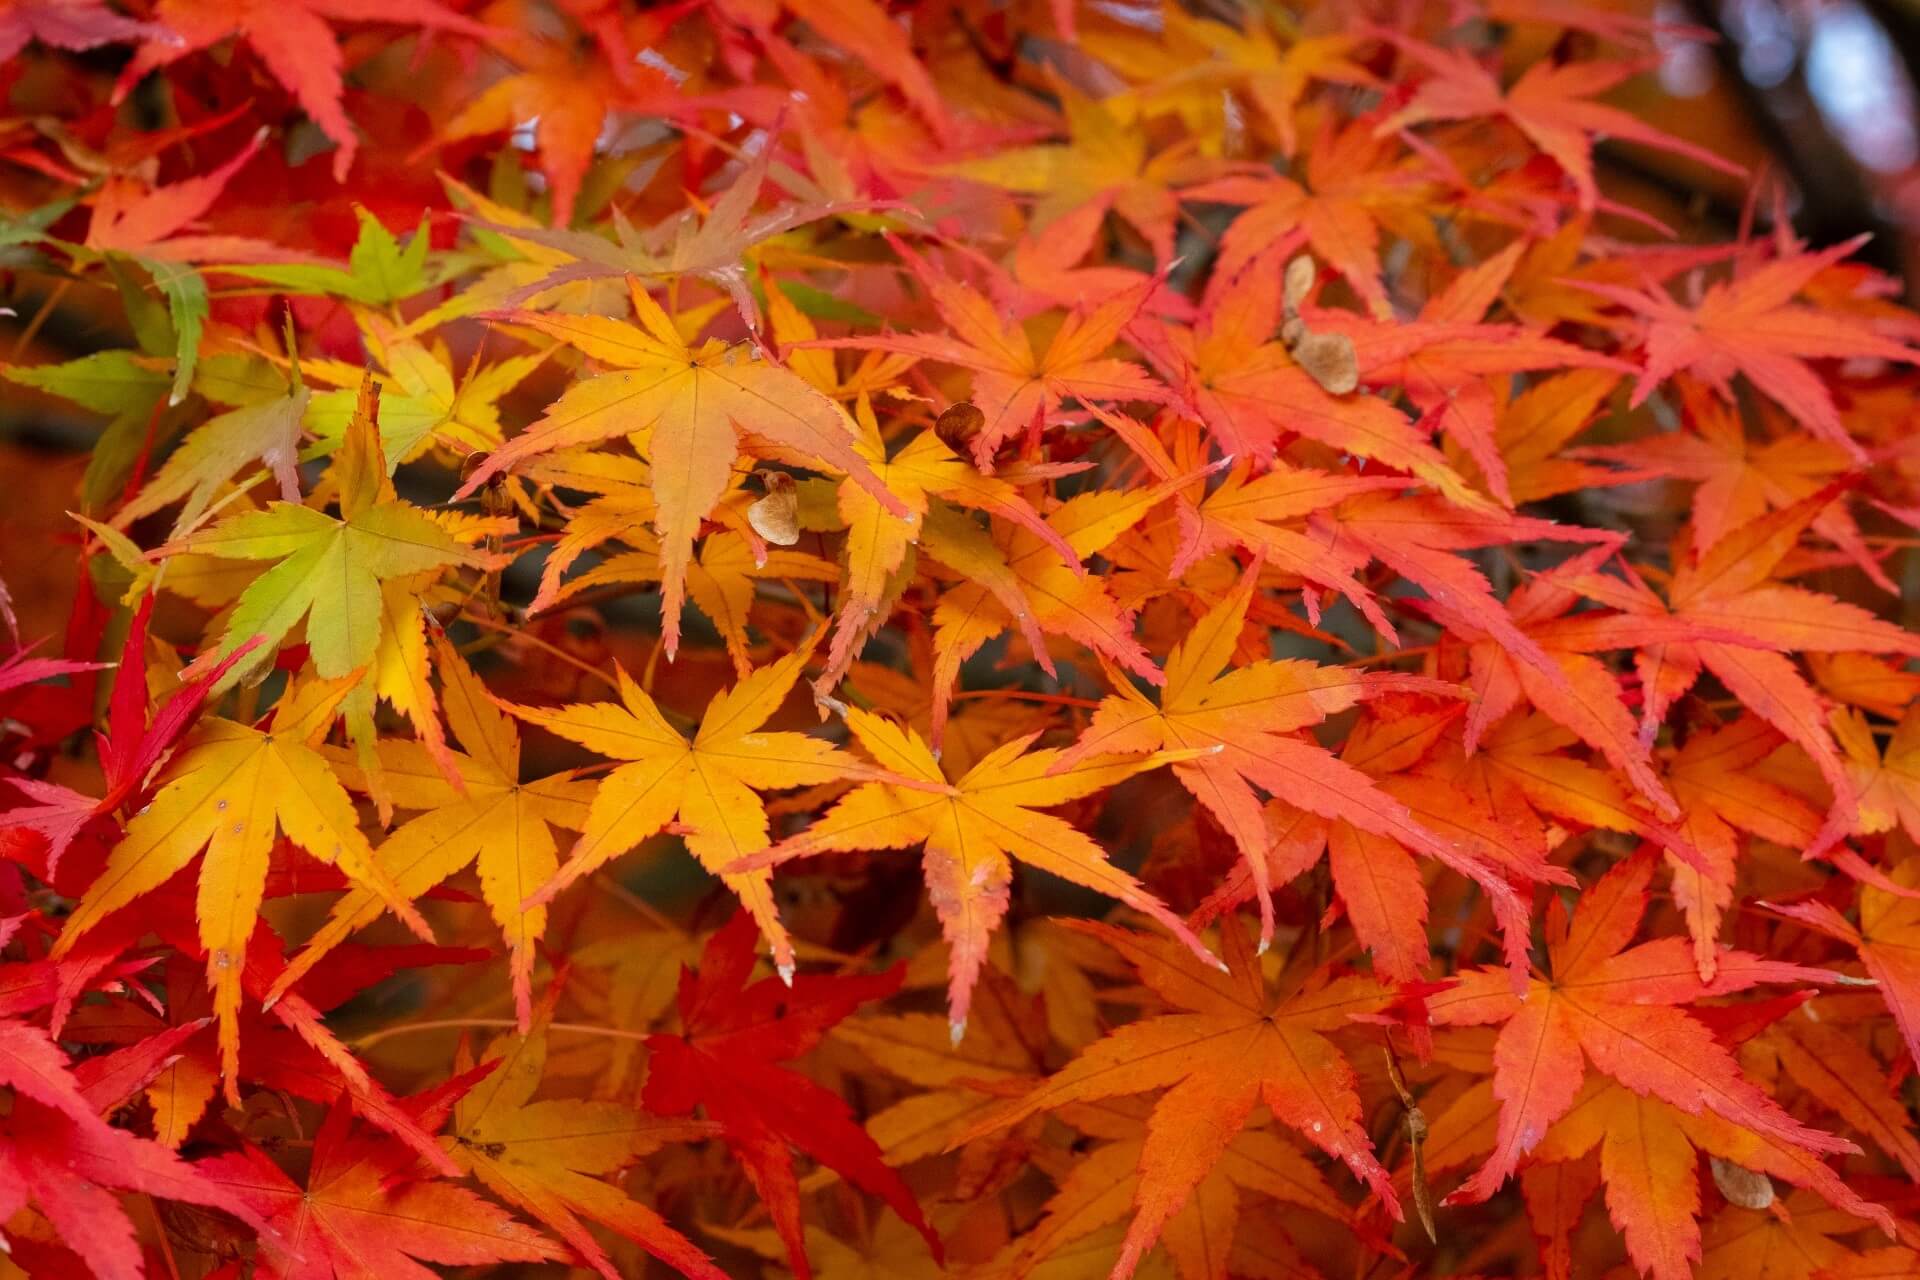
[265,430]
[334,563]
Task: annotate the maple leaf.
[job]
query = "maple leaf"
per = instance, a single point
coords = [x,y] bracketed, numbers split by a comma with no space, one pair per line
[1745,623]
[1019,580]
[1444,360]
[60,1155]
[1241,382]
[878,541]
[1008,1041]
[568,99]
[1248,718]
[1419,540]
[1103,1186]
[868,31]
[378,273]
[690,404]
[122,384]
[1379,885]
[1577,691]
[1794,1240]
[361,1214]
[1842,1074]
[1720,792]
[722,578]
[68,24]
[329,570]
[1752,325]
[1617,1007]
[228,791]
[149,225]
[1550,104]
[1264,515]
[733,1032]
[971,828]
[876,374]
[285,1049]
[1044,270]
[1881,685]
[143,221]
[493,820]
[709,785]
[1888,781]
[295,43]
[1740,479]
[1887,939]
[1229,1045]
[710,250]
[1518,771]
[1016,389]
[1105,163]
[266,430]
[547,1157]
[1648,1164]
[1352,183]
[887,1247]
[1251,59]
[131,749]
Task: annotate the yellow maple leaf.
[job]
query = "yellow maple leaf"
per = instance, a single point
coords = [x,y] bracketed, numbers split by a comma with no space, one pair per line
[230,792]
[493,820]
[687,406]
[709,785]
[972,827]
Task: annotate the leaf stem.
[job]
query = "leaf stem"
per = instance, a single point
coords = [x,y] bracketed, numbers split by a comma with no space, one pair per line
[500,1024]
[1022,695]
[552,650]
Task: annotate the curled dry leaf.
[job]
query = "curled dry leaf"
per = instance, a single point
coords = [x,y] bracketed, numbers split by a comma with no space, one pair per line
[959,423]
[776,516]
[1741,1185]
[1329,358]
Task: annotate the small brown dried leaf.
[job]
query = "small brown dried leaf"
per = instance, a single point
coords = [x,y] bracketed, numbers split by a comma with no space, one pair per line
[1298,283]
[1330,359]
[1741,1185]
[959,422]
[776,517]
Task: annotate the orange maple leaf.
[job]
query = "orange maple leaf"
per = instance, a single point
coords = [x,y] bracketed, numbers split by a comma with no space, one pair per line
[1618,1008]
[1549,103]
[1252,720]
[1752,325]
[710,784]
[1016,389]
[1227,1044]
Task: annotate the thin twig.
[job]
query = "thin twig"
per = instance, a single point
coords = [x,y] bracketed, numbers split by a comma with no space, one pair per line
[498,1024]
